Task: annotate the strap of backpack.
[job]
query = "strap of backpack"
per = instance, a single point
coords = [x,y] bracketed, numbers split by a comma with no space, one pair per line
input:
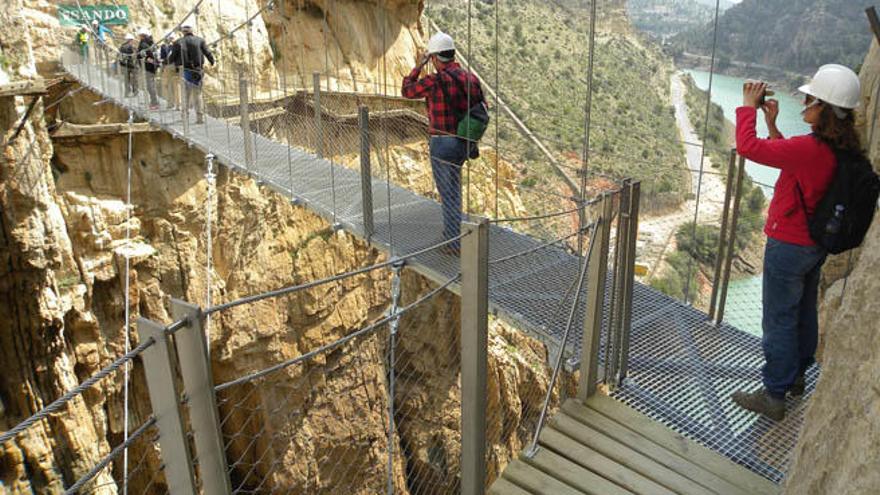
[800,192]
[458,116]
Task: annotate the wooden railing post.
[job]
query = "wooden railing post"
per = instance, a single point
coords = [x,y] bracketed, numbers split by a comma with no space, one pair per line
[474,354]
[597,268]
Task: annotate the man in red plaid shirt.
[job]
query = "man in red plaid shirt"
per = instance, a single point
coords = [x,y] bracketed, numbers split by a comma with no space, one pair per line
[448,151]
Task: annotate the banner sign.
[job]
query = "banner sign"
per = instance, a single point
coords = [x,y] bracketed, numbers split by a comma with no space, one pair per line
[73,15]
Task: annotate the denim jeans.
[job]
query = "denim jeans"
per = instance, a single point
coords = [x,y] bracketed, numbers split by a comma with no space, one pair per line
[448,153]
[150,79]
[790,322]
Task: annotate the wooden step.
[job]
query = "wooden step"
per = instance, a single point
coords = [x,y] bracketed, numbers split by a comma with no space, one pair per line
[503,486]
[609,469]
[573,474]
[710,460]
[536,481]
[625,455]
[648,448]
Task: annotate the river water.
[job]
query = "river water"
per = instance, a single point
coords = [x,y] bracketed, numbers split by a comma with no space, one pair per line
[743,306]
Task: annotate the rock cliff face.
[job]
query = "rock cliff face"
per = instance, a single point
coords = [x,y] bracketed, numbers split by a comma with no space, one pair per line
[356,44]
[353,43]
[838,450]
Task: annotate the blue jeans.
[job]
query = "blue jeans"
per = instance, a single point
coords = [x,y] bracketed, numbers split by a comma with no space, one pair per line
[790,322]
[448,153]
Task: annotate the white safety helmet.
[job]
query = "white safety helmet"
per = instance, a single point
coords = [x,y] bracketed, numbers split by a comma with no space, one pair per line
[186,28]
[143,32]
[94,22]
[836,85]
[440,42]
[129,36]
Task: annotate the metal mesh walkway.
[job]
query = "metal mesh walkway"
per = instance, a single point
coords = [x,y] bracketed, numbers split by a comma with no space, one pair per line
[682,368]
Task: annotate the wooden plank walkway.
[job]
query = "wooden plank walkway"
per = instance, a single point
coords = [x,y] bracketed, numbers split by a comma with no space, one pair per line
[605,447]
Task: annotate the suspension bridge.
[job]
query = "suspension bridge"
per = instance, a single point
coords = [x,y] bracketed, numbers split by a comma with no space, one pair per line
[666,427]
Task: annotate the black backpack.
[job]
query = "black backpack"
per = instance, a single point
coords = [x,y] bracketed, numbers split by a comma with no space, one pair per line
[844,214]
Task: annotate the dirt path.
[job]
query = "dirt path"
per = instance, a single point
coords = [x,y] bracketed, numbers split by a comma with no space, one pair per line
[657,234]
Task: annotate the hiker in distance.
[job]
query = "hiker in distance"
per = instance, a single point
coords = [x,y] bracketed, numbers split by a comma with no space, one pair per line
[823,203]
[101,32]
[81,42]
[457,118]
[189,54]
[128,59]
[147,53]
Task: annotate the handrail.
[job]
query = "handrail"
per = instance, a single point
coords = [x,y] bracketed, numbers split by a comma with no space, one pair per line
[110,456]
[78,390]
[333,345]
[558,365]
[288,290]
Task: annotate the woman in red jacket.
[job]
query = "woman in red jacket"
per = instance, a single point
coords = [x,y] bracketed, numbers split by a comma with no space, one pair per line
[792,260]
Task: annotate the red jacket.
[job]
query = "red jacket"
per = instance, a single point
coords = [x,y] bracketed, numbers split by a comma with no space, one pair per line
[802,160]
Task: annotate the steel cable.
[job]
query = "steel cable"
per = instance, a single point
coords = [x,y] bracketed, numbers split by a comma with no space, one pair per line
[109,457]
[335,278]
[368,329]
[687,288]
[78,390]
[557,366]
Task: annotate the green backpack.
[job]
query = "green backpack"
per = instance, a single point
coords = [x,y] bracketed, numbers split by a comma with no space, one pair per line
[473,123]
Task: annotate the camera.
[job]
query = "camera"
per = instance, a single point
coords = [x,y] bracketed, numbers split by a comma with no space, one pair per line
[767,90]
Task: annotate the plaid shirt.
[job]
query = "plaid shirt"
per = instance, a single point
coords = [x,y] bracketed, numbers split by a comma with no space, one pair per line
[441,115]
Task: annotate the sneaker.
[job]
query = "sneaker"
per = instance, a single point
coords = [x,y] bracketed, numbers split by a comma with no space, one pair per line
[798,388]
[761,402]
[154,106]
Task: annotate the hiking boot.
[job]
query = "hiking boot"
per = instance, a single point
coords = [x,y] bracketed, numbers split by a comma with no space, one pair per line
[761,402]
[798,388]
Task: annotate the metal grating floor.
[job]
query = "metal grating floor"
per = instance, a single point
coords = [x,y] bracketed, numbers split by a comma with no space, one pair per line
[682,369]
[682,372]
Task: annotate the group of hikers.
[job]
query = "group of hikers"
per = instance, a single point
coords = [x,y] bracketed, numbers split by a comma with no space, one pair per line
[823,204]
[177,63]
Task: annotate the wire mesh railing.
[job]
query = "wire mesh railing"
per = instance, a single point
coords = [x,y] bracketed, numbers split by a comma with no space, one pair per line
[89,443]
[321,117]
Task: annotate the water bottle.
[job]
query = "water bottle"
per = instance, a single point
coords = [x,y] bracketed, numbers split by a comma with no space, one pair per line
[834,223]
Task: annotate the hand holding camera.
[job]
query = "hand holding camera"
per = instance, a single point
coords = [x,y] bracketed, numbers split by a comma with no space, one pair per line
[755,93]
[423,59]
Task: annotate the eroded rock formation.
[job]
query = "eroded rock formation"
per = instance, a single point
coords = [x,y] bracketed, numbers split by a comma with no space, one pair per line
[838,448]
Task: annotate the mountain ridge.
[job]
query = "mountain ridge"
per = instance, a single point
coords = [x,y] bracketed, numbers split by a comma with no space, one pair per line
[794,35]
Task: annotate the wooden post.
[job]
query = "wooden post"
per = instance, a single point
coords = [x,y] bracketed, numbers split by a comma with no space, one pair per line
[319,121]
[195,367]
[719,256]
[731,240]
[245,119]
[474,355]
[366,173]
[597,266]
[635,193]
[160,372]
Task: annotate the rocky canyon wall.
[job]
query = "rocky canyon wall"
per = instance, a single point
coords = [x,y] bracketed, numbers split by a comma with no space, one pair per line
[839,448]
[354,44]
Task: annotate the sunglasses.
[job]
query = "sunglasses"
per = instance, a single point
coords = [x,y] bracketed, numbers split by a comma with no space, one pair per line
[811,101]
